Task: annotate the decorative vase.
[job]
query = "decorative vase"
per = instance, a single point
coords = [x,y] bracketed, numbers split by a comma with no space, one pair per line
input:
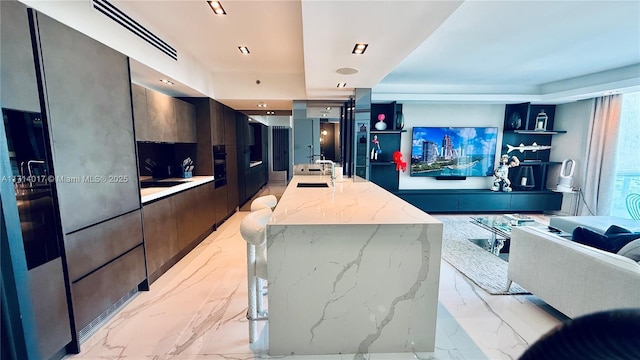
[515,121]
[399,121]
[381,125]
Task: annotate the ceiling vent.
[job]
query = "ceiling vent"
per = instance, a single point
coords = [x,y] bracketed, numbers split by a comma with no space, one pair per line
[123,19]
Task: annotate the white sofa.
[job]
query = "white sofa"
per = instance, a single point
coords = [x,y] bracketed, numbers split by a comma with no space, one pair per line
[573,278]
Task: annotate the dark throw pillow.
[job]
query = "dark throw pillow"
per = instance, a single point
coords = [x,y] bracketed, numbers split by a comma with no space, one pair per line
[615,229]
[614,239]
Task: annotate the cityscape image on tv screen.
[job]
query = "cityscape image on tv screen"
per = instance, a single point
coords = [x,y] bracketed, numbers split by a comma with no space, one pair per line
[453,151]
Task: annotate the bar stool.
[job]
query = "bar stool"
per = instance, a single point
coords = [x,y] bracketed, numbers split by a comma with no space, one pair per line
[269,201]
[253,231]
[266,201]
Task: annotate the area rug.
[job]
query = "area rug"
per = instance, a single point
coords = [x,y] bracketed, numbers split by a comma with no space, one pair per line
[481,267]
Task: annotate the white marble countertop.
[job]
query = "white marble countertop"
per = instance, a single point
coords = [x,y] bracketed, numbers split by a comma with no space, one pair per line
[154,193]
[345,203]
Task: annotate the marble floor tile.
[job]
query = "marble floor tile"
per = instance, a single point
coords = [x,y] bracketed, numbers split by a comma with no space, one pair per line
[196,311]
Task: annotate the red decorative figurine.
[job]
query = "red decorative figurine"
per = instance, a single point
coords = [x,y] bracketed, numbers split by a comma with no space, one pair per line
[400,164]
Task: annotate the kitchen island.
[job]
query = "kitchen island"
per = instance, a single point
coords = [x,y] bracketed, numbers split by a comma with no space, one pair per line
[351,269]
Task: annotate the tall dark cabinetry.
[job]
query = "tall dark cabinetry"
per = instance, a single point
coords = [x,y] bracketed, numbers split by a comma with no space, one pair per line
[382,168]
[529,127]
[101,214]
[216,124]
[232,158]
[35,293]
[94,167]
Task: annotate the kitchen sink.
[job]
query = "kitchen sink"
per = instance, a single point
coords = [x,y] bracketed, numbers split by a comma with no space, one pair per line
[313,185]
[161,183]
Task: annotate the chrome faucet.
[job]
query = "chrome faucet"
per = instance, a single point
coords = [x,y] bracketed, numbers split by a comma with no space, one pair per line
[30,169]
[333,168]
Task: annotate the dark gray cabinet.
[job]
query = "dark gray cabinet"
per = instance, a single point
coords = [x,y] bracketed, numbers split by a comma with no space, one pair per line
[207,207]
[161,117]
[186,209]
[185,115]
[210,124]
[94,294]
[256,178]
[19,86]
[40,307]
[105,262]
[175,224]
[218,124]
[230,117]
[140,119]
[90,248]
[50,307]
[233,183]
[204,125]
[91,129]
[220,204]
[90,125]
[160,234]
[243,131]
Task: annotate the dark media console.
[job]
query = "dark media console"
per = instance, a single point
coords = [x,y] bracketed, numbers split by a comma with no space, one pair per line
[481,200]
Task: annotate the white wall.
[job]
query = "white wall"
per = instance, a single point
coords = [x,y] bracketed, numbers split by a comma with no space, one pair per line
[455,115]
[574,118]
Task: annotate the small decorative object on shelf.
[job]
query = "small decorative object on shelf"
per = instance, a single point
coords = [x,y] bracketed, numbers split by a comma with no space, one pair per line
[381,125]
[363,128]
[527,181]
[541,121]
[375,149]
[400,163]
[362,140]
[399,120]
[501,173]
[565,179]
[522,147]
[515,121]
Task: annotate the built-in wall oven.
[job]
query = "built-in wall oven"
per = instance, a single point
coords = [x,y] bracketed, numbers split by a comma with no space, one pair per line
[219,166]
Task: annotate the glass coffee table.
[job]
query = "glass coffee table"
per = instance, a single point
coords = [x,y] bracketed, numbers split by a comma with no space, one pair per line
[500,228]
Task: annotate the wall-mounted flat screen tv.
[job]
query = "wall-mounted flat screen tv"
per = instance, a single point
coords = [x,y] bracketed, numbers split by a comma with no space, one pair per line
[453,151]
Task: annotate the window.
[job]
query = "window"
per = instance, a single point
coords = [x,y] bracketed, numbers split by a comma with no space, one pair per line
[628,154]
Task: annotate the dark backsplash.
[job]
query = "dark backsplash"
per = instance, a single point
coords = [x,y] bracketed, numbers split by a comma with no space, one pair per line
[166,157]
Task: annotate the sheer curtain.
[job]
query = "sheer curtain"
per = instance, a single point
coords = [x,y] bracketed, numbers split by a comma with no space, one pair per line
[599,177]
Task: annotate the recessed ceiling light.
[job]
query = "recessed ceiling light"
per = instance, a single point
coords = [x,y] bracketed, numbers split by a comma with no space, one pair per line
[347,71]
[244,50]
[270,113]
[217,7]
[165,81]
[359,48]
[262,105]
[328,108]
[341,85]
